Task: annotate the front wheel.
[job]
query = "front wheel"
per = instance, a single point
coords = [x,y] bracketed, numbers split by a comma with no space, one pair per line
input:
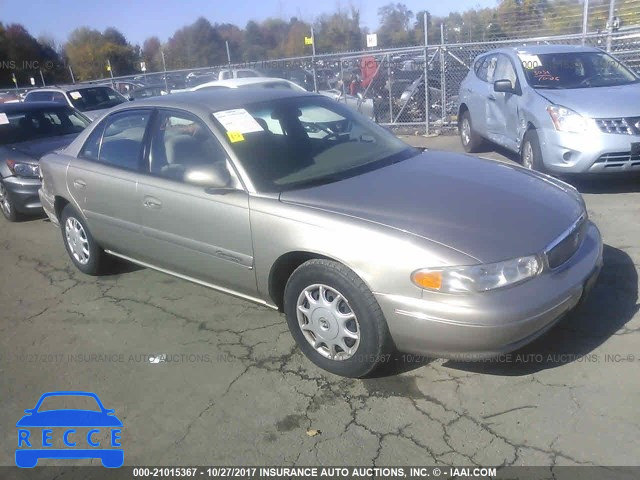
[531,155]
[335,319]
[85,253]
[6,204]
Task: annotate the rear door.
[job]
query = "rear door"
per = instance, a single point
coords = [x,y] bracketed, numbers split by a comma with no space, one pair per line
[478,91]
[103,180]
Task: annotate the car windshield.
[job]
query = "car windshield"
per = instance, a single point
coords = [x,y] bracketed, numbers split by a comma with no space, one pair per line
[575,70]
[31,124]
[95,98]
[293,143]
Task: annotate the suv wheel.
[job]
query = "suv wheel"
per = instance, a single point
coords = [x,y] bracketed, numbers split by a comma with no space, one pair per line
[335,319]
[531,155]
[471,141]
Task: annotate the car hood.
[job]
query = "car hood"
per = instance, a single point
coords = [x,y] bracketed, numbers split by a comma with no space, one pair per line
[69,418]
[486,209]
[35,149]
[598,102]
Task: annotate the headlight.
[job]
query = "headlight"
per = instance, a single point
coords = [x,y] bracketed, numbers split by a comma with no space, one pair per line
[478,278]
[566,120]
[22,169]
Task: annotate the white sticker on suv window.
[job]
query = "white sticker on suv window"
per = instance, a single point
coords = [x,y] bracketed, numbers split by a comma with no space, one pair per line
[3,119]
[529,62]
[238,121]
[75,95]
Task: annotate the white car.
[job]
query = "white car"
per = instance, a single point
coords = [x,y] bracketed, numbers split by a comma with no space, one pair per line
[364,106]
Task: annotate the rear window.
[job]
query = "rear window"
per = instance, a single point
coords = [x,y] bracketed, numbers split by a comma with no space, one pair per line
[95,98]
[25,125]
[41,97]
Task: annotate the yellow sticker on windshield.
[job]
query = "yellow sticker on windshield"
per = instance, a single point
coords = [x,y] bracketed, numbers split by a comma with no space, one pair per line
[235,137]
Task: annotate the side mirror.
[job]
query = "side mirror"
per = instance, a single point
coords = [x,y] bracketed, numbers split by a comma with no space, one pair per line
[208,177]
[504,86]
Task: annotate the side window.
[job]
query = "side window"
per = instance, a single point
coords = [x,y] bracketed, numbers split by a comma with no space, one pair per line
[505,70]
[123,139]
[487,68]
[182,146]
[59,98]
[91,148]
[477,68]
[38,97]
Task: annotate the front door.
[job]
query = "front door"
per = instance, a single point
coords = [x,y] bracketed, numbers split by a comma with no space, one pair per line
[190,229]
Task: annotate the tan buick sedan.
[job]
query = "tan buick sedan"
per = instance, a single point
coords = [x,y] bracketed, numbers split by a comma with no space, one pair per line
[296,202]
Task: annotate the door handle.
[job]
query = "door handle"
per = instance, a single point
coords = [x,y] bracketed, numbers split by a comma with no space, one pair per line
[492,98]
[79,184]
[151,202]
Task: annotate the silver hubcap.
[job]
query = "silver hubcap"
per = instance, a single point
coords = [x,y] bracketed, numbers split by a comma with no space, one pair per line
[527,156]
[328,322]
[465,131]
[77,240]
[4,200]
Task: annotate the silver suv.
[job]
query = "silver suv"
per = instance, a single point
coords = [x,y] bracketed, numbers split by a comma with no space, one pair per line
[564,109]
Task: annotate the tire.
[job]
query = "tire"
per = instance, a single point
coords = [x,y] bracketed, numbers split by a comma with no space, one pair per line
[471,141]
[363,341]
[530,154]
[7,205]
[85,253]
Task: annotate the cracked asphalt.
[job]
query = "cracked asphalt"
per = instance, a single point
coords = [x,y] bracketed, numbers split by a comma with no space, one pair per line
[233,389]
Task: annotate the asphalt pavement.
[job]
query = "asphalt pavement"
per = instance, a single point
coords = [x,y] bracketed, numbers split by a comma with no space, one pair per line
[201,378]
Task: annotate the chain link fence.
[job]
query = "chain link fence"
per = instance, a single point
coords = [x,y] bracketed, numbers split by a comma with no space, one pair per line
[389,86]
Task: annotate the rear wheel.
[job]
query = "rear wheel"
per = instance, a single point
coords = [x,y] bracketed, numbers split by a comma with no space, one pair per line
[471,141]
[85,253]
[335,319]
[6,204]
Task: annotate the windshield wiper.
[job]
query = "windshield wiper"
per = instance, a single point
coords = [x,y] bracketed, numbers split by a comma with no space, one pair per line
[314,182]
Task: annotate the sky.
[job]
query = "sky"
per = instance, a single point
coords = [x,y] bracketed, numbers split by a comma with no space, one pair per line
[140,19]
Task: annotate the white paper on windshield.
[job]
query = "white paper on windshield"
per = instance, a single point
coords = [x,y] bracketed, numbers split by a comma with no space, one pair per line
[238,121]
[75,95]
[3,119]
[529,62]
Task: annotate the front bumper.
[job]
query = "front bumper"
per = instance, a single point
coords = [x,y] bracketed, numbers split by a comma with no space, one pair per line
[24,194]
[592,152]
[488,324]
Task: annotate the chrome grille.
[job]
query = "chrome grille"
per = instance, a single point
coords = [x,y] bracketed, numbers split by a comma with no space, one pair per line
[625,126]
[619,159]
[567,244]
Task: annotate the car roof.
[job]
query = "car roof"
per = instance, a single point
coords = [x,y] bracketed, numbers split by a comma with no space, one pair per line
[30,106]
[542,49]
[207,101]
[241,82]
[68,88]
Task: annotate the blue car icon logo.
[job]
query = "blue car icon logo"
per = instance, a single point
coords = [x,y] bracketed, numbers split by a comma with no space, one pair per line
[39,429]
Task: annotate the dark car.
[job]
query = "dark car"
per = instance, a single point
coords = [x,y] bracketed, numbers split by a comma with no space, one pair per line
[27,132]
[92,100]
[147,92]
